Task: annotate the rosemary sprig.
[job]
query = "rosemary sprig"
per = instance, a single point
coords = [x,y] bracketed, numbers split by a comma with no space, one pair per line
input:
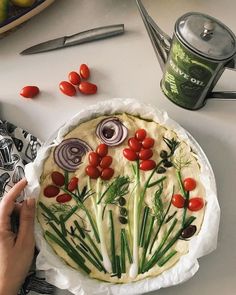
[113,245]
[155,258]
[143,226]
[158,204]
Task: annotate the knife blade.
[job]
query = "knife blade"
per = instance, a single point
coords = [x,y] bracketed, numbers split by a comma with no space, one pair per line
[76,39]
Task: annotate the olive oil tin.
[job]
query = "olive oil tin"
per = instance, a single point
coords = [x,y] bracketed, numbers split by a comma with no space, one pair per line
[201,48]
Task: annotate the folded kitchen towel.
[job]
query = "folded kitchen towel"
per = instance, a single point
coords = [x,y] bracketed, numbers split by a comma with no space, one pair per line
[18,148]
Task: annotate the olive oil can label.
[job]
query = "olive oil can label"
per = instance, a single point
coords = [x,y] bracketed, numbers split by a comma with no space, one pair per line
[186,76]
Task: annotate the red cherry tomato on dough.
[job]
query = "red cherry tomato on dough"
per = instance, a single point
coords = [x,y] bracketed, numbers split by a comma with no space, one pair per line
[147,165]
[130,154]
[102,150]
[87,87]
[63,198]
[29,91]
[74,78]
[140,134]
[94,159]
[148,142]
[92,172]
[145,154]
[134,144]
[73,184]
[67,88]
[51,191]
[106,162]
[84,71]
[58,178]
[107,173]
[178,200]
[195,204]
[189,184]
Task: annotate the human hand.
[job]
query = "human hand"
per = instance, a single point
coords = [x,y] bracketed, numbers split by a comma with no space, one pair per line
[16,250]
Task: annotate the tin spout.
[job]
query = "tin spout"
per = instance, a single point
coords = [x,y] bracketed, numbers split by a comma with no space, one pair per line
[160,40]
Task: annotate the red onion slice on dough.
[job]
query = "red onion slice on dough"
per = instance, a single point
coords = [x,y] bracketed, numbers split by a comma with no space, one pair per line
[69,153]
[111,131]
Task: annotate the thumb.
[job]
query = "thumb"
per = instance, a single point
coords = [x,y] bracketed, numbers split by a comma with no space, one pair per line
[26,229]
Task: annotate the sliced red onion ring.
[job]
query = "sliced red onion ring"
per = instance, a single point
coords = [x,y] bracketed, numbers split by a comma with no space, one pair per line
[111,131]
[69,153]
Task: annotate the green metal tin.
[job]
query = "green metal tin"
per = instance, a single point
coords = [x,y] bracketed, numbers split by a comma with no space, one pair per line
[200,49]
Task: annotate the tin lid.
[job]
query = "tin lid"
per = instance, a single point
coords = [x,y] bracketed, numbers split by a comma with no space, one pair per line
[206,35]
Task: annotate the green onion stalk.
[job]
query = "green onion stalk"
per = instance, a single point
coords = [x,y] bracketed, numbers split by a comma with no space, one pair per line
[105,257]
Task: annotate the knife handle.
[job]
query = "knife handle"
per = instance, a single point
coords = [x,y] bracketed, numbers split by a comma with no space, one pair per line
[94,34]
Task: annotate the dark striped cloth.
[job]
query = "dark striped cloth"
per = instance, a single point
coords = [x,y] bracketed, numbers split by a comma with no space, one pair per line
[18,148]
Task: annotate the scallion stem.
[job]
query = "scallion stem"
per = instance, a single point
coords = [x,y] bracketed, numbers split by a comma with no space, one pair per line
[143,226]
[49,213]
[122,253]
[94,262]
[123,232]
[185,208]
[113,246]
[79,229]
[63,228]
[165,259]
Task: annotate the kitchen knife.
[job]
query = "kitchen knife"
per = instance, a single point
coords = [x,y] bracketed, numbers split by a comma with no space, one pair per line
[79,38]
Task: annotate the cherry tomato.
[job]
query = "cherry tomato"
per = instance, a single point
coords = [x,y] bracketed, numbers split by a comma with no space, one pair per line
[148,142]
[145,154]
[102,150]
[58,178]
[51,191]
[195,204]
[74,78]
[107,173]
[189,184]
[106,162]
[67,88]
[94,159]
[29,91]
[92,172]
[130,154]
[140,134]
[84,71]
[73,184]
[134,144]
[87,87]
[178,200]
[147,165]
[63,198]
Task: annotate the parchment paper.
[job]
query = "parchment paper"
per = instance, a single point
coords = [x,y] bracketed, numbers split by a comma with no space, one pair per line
[65,277]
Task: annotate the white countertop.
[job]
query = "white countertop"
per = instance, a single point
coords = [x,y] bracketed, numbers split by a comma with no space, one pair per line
[126,66]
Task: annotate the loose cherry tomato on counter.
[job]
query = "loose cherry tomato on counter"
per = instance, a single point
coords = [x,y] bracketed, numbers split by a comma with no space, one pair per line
[130,154]
[63,198]
[178,200]
[87,87]
[134,144]
[148,142]
[145,154]
[29,91]
[67,88]
[84,71]
[107,173]
[147,165]
[94,159]
[189,184]
[102,149]
[106,162]
[73,184]
[51,191]
[92,172]
[195,204]
[58,178]
[140,134]
[74,78]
